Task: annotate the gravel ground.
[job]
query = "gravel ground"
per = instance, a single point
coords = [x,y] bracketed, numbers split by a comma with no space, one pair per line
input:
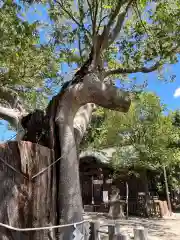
[158,229]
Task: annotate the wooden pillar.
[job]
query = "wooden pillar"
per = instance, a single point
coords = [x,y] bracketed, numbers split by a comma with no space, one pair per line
[127,200]
[117,227]
[94,230]
[140,233]
[111,232]
[92,189]
[167,190]
[121,236]
[118,234]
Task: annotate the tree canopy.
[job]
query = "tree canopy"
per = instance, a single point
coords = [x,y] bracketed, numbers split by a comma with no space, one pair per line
[128,36]
[139,36]
[27,67]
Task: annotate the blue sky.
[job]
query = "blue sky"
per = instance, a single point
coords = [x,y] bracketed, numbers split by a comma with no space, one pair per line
[168,92]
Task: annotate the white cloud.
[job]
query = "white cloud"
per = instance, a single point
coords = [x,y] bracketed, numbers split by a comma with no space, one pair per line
[177,93]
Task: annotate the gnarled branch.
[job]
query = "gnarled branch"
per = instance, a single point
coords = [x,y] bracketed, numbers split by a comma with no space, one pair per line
[15,111]
[7,95]
[154,67]
[133,70]
[10,115]
[106,95]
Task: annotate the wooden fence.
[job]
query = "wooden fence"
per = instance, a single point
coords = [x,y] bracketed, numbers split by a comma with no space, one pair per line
[84,230]
[114,232]
[27,195]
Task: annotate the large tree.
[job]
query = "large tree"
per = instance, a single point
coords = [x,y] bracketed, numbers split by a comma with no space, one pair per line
[106,40]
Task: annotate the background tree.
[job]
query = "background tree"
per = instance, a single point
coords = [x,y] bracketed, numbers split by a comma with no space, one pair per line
[144,139]
[28,68]
[144,130]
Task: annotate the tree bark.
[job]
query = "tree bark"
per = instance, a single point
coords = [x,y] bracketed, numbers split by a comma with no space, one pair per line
[69,194]
[82,120]
[26,203]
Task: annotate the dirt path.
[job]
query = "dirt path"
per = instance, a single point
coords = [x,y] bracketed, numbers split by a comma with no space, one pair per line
[158,229]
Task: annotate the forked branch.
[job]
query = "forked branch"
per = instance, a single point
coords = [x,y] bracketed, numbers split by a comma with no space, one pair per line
[70,15]
[116,30]
[113,15]
[107,37]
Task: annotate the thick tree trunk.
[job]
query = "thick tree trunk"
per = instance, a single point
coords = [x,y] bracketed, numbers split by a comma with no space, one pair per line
[26,203]
[69,194]
[55,130]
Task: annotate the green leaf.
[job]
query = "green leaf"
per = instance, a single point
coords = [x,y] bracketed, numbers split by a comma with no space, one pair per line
[107,6]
